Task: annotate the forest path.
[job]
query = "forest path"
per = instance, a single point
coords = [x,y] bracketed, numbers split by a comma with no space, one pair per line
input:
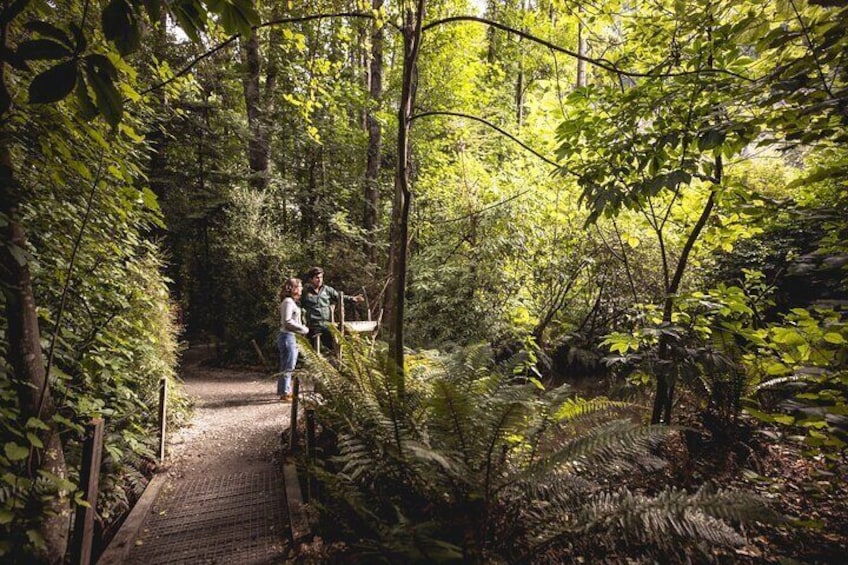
[223,499]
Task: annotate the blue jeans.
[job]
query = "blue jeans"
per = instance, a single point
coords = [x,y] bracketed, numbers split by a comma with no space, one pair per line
[287,346]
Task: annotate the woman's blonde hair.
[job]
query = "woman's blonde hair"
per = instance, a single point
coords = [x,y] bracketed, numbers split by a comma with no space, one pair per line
[288,287]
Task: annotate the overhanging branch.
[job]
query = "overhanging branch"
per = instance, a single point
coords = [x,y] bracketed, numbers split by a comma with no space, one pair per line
[494,127]
[600,63]
[302,19]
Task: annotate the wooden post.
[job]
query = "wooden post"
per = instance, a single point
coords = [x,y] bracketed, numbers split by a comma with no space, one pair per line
[163,416]
[259,354]
[341,326]
[92,452]
[293,419]
[310,453]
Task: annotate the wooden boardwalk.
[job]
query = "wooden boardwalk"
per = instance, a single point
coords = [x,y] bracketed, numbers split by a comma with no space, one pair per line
[232,518]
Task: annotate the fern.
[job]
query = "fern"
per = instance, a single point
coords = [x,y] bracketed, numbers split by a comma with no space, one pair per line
[472,458]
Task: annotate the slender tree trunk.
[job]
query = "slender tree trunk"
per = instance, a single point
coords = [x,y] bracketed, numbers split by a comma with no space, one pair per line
[666,379]
[519,78]
[257,145]
[400,210]
[24,354]
[581,50]
[157,138]
[372,172]
[491,32]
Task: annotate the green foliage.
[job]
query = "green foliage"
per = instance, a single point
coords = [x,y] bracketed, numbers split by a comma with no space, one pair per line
[476,463]
[85,64]
[107,324]
[798,377]
[789,372]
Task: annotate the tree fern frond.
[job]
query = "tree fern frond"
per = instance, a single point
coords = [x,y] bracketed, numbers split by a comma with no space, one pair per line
[777,382]
[735,505]
[611,445]
[670,516]
[576,407]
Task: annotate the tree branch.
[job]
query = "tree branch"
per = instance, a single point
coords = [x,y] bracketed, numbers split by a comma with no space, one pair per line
[601,63]
[190,65]
[494,127]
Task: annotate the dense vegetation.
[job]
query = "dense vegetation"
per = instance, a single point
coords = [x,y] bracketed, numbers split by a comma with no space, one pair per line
[645,197]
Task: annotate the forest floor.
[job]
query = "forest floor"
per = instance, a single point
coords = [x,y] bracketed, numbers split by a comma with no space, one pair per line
[807,493]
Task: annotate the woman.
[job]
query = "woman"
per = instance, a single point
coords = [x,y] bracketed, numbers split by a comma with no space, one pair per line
[289,325]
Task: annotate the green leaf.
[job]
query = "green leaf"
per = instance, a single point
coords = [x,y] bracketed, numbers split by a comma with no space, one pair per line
[79,37]
[37,424]
[49,30]
[54,84]
[835,338]
[776,368]
[87,109]
[42,49]
[190,18]
[6,516]
[710,139]
[36,539]
[121,26]
[237,16]
[785,419]
[35,440]
[15,452]
[101,75]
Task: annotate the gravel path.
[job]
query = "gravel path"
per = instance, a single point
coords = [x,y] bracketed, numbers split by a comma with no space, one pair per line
[236,424]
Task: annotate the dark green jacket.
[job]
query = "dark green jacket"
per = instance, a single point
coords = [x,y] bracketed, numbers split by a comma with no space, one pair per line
[316,305]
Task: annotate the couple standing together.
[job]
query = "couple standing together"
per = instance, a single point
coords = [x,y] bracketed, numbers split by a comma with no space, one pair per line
[315,299]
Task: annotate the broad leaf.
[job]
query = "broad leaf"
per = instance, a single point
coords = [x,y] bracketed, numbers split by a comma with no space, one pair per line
[54,84]
[15,452]
[710,139]
[101,75]
[37,49]
[88,110]
[49,30]
[190,18]
[121,26]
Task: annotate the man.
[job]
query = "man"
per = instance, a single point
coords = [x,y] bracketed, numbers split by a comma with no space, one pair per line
[315,301]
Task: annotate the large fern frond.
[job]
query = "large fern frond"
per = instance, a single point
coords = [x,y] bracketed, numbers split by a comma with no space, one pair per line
[663,520]
[614,446]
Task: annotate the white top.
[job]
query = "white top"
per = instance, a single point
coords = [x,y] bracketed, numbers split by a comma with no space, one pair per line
[290,317]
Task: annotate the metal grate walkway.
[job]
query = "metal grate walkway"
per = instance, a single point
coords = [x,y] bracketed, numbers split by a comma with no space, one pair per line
[238,518]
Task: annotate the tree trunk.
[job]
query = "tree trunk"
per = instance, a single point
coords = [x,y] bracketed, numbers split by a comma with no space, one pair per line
[25,358]
[372,172]
[581,50]
[666,379]
[24,355]
[257,145]
[400,210]
[519,79]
